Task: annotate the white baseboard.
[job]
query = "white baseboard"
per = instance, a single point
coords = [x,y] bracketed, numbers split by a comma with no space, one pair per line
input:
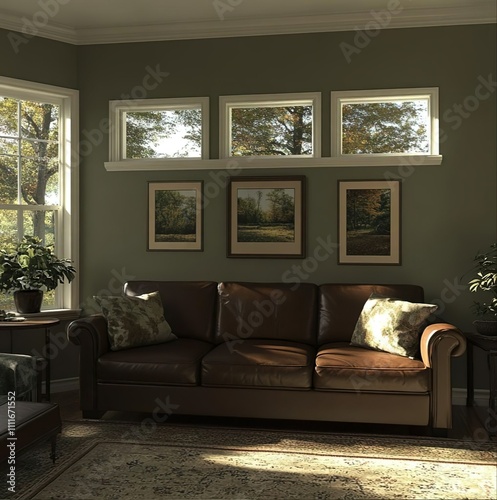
[459,396]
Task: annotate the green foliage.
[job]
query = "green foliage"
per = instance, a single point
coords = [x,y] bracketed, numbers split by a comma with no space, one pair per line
[368,209]
[485,281]
[32,127]
[272,131]
[175,212]
[191,120]
[249,210]
[280,207]
[387,127]
[382,221]
[146,129]
[143,132]
[32,266]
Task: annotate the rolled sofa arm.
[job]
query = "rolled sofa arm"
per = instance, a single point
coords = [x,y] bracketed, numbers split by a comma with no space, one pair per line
[91,330]
[90,334]
[439,343]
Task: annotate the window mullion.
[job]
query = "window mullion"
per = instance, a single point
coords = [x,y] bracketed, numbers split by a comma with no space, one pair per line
[20,212]
[19,155]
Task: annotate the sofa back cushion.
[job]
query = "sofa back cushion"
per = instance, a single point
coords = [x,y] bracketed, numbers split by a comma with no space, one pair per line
[189,306]
[275,311]
[340,306]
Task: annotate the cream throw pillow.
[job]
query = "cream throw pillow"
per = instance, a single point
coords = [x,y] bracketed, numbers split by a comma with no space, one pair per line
[135,321]
[391,325]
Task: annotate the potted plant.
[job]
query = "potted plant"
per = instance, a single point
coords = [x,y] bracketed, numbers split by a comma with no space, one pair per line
[30,269]
[486,281]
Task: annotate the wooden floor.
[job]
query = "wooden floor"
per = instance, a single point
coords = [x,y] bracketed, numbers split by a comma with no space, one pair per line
[471,424]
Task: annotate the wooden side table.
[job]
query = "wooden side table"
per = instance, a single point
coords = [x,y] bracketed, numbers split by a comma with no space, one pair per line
[489,345]
[31,324]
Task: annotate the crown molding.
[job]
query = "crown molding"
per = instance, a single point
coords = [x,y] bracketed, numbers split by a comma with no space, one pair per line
[26,27]
[408,18]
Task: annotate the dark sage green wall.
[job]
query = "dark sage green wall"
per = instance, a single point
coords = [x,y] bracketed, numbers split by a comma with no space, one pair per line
[38,59]
[448,211]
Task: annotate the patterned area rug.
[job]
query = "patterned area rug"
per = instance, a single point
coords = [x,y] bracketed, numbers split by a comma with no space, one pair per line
[102,460]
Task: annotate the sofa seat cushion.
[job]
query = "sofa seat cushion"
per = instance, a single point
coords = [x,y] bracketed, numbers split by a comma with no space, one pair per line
[259,363]
[340,366]
[174,363]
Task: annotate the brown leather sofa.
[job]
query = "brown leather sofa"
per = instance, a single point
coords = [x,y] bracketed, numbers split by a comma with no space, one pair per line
[268,350]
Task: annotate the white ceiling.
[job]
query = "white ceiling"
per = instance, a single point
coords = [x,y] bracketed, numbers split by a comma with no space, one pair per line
[113,21]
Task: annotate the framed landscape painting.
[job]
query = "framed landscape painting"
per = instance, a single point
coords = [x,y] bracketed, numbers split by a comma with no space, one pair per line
[175,216]
[266,217]
[369,222]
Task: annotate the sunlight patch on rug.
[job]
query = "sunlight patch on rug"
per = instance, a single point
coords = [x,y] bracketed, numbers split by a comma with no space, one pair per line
[120,470]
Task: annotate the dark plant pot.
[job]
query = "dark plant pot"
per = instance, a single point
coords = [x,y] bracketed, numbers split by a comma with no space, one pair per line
[28,301]
[486,327]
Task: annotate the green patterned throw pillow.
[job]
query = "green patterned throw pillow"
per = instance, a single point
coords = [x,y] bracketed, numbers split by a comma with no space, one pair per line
[135,321]
[391,325]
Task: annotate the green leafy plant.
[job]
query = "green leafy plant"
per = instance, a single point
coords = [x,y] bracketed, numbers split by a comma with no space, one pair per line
[33,266]
[486,281]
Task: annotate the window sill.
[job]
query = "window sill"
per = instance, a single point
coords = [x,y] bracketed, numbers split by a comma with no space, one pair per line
[236,163]
[62,314]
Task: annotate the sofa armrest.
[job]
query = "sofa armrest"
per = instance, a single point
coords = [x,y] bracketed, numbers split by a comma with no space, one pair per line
[90,334]
[439,343]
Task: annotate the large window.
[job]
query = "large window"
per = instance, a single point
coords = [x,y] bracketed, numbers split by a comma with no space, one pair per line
[270,125]
[38,173]
[385,122]
[159,129]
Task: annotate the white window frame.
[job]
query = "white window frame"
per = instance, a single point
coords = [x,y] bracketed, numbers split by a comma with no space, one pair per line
[339,98]
[117,126]
[227,103]
[67,222]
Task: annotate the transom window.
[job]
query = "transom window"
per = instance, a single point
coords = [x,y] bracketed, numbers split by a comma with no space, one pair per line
[38,165]
[390,127]
[159,129]
[385,122]
[270,125]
